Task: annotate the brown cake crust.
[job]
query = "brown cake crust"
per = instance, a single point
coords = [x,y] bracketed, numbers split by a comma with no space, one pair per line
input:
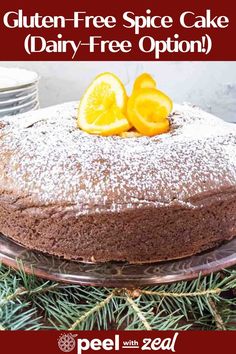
[92,198]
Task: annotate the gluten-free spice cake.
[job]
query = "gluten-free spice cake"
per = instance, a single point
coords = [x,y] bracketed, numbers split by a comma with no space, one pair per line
[100,198]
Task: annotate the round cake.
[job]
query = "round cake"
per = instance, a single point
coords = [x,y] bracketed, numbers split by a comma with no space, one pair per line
[139,199]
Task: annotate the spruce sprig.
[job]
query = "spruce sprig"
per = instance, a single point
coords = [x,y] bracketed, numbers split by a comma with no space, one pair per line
[27,302]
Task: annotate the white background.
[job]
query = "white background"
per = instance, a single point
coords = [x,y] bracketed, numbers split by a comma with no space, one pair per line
[211,85]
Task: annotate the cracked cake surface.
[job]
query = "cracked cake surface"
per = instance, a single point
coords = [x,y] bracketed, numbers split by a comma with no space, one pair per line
[145,193]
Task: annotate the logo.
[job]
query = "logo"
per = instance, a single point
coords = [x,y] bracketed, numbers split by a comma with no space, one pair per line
[66,342]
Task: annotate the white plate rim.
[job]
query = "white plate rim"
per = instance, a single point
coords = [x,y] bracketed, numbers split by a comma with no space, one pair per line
[17,113]
[18,89]
[19,107]
[21,98]
[12,71]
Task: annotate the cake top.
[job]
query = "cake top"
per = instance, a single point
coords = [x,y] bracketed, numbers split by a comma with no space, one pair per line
[47,162]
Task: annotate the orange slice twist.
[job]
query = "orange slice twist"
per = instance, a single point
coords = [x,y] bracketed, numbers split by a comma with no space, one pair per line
[148,110]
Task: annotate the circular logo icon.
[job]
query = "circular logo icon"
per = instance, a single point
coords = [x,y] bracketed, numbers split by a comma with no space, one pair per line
[66,342]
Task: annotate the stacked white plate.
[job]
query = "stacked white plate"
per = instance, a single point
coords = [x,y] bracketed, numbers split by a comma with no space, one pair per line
[18,91]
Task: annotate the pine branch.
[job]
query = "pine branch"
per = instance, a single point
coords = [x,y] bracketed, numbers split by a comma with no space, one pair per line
[139,292]
[18,292]
[22,291]
[27,302]
[218,319]
[94,309]
[138,312]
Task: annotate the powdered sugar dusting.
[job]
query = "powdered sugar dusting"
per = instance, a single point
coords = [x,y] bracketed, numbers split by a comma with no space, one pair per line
[48,161]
